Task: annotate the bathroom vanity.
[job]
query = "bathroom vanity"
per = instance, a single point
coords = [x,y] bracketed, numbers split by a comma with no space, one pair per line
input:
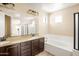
[21,38]
[22,46]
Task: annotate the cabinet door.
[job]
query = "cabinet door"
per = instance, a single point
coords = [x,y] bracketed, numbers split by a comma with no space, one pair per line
[41,44]
[35,47]
[3,51]
[26,48]
[13,50]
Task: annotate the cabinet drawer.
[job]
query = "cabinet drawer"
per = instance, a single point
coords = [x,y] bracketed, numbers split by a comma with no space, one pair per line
[41,39]
[35,47]
[25,43]
[35,44]
[26,47]
[35,41]
[42,49]
[22,51]
[26,52]
[35,52]
[41,44]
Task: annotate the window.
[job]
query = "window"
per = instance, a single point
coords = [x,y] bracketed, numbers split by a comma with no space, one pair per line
[45,19]
[58,19]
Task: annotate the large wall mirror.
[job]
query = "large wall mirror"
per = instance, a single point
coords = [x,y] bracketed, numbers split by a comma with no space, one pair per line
[23,27]
[17,26]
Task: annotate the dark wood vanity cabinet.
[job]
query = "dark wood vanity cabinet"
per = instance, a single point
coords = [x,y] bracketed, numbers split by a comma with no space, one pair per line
[37,46]
[13,50]
[3,51]
[41,44]
[19,49]
[28,48]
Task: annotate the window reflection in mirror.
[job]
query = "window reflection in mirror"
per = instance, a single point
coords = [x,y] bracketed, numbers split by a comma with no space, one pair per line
[31,28]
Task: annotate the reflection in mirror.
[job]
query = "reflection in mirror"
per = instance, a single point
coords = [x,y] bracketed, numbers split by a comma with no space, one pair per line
[28,27]
[31,28]
[15,27]
[23,27]
[18,26]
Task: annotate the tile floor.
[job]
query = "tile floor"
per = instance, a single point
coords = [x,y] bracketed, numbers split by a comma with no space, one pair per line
[44,53]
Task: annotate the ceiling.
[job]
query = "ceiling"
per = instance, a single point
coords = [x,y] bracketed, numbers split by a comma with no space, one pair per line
[50,7]
[46,7]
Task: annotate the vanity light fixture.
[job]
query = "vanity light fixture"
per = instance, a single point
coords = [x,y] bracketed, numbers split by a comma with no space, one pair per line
[32,12]
[7,5]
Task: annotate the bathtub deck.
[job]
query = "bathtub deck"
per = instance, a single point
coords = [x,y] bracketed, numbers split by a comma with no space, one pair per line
[59,45]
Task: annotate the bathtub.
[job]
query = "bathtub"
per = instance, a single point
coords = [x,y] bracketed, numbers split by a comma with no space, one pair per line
[59,45]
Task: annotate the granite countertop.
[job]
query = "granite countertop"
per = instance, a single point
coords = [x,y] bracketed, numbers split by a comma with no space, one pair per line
[19,39]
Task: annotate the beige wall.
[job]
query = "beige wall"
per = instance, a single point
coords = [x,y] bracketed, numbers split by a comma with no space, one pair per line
[42,28]
[67,25]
